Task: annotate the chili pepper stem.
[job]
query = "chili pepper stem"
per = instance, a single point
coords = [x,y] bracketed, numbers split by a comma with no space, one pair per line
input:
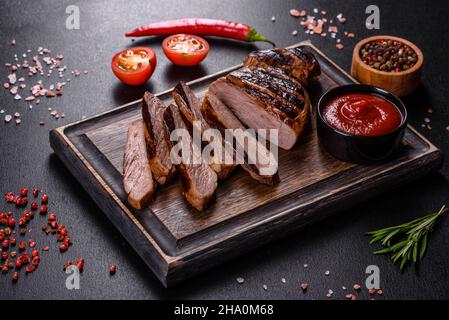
[253,36]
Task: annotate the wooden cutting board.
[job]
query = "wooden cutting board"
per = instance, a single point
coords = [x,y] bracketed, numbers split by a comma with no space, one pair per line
[176,241]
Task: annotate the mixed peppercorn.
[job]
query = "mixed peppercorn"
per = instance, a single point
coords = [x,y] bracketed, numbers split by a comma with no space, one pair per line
[388,55]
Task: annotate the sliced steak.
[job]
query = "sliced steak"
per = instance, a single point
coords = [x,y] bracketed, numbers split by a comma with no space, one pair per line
[220,117]
[158,150]
[277,89]
[259,110]
[299,63]
[199,181]
[190,107]
[137,178]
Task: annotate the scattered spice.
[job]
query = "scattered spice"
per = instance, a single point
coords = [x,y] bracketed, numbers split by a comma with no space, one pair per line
[29,66]
[23,259]
[113,270]
[317,22]
[304,286]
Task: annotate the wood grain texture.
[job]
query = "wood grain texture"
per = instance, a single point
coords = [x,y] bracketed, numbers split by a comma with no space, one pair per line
[178,242]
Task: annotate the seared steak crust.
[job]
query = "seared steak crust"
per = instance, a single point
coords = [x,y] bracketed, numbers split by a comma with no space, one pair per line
[299,63]
[190,107]
[285,100]
[221,118]
[154,129]
[137,178]
[199,181]
[259,110]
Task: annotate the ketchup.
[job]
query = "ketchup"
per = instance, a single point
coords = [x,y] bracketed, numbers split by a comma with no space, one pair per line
[362,114]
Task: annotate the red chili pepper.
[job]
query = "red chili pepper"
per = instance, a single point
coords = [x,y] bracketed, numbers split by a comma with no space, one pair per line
[210,27]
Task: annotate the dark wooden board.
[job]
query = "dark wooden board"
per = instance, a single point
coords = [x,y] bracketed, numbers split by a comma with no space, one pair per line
[178,242]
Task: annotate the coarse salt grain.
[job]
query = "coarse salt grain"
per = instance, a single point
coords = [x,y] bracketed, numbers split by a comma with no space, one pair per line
[295,13]
[240,280]
[12,78]
[8,118]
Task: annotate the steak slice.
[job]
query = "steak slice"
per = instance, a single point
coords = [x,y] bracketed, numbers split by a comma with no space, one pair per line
[260,110]
[220,117]
[190,107]
[299,63]
[158,150]
[137,178]
[199,181]
[292,104]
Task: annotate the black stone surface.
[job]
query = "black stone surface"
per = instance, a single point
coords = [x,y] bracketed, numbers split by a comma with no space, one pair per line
[337,244]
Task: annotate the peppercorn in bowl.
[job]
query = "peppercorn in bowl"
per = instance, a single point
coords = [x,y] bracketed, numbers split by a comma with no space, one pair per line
[388,62]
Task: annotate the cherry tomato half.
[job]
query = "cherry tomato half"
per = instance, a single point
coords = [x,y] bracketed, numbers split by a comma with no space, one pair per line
[134,66]
[185,49]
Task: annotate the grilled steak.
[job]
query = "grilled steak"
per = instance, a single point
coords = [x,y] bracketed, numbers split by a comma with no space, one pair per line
[220,117]
[190,107]
[137,178]
[158,150]
[199,181]
[261,108]
[301,64]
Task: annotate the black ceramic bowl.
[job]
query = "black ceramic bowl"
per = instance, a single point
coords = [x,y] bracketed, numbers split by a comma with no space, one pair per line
[359,149]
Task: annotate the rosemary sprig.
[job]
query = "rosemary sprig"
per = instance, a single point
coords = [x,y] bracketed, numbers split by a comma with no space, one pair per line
[407,241]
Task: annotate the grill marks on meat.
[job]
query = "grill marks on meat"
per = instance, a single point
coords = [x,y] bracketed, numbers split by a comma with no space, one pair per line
[199,181]
[259,110]
[190,107]
[158,150]
[220,117]
[280,87]
[297,62]
[137,178]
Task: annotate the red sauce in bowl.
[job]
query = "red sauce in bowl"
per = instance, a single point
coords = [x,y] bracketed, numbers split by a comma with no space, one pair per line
[362,114]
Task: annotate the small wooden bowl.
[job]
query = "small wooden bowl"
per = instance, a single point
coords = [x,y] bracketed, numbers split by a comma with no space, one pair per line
[400,83]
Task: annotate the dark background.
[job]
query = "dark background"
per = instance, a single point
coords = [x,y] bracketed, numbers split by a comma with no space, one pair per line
[337,244]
